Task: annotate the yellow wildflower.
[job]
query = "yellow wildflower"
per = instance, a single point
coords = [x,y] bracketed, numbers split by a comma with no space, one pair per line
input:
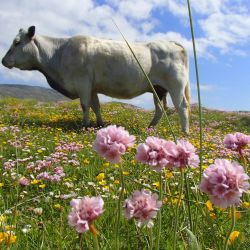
[106,188]
[39,151]
[2,219]
[42,186]
[209,205]
[10,238]
[204,166]
[102,183]
[210,161]
[125,173]
[133,162]
[237,215]
[212,215]
[169,175]
[1,184]
[106,164]
[156,184]
[246,204]
[100,177]
[34,182]
[165,200]
[116,182]
[57,206]
[86,161]
[9,227]
[3,236]
[233,236]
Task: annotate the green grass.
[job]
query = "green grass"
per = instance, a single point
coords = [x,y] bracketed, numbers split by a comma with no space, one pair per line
[43,126]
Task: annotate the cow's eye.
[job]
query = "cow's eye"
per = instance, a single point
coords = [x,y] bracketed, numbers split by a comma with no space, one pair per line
[16,43]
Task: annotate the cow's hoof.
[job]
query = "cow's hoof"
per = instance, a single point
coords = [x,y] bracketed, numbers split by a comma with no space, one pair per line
[100,124]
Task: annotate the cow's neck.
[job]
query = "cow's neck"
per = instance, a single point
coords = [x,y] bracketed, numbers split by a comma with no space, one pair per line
[49,52]
[49,60]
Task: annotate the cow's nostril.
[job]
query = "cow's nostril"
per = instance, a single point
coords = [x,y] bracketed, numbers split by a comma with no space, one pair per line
[3,62]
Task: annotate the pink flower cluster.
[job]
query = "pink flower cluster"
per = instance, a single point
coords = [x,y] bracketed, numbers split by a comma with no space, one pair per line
[153,153]
[182,154]
[57,175]
[236,141]
[69,147]
[112,142]
[84,211]
[159,153]
[224,182]
[23,181]
[143,207]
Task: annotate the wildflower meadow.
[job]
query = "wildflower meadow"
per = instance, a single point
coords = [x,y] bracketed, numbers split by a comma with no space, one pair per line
[123,186]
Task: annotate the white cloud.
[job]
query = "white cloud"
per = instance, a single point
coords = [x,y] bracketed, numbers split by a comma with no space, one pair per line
[206,87]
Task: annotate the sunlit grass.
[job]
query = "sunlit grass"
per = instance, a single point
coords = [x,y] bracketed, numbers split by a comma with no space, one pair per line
[37,213]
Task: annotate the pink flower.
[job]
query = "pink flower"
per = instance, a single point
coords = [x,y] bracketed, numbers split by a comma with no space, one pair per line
[236,141]
[143,207]
[84,211]
[24,181]
[112,142]
[224,182]
[182,155]
[159,153]
[153,152]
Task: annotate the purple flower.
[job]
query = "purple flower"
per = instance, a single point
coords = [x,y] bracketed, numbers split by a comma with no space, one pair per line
[24,181]
[112,142]
[153,152]
[143,207]
[84,211]
[236,141]
[182,155]
[224,182]
[159,153]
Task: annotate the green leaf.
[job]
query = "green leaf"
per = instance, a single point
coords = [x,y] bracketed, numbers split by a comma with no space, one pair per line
[192,241]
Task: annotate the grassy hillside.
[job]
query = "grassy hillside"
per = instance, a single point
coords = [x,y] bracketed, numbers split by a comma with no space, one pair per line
[31,132]
[30,92]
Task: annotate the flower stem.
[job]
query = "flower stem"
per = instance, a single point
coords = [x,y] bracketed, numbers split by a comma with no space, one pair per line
[177,209]
[81,241]
[96,244]
[225,247]
[159,213]
[151,238]
[188,203]
[117,239]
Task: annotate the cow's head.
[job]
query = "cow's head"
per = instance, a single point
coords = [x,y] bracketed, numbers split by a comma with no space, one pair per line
[23,51]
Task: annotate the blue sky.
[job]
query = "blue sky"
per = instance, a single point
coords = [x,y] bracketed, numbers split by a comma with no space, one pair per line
[221,28]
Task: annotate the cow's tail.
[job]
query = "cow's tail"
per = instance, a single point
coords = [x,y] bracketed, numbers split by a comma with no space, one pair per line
[187,87]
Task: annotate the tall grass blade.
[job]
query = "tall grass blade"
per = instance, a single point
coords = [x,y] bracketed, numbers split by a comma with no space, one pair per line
[193,242]
[198,85]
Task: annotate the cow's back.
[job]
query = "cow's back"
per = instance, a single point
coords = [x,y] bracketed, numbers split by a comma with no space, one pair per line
[115,71]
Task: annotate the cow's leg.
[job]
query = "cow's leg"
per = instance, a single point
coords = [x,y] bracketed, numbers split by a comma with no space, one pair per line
[85,109]
[157,115]
[181,105]
[165,101]
[95,105]
[84,89]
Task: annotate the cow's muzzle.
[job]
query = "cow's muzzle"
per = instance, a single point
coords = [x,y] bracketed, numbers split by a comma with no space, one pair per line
[4,62]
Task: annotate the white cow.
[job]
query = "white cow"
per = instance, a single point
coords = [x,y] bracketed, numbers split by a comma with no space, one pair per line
[83,66]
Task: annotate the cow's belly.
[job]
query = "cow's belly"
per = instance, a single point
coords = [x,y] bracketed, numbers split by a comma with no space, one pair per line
[122,90]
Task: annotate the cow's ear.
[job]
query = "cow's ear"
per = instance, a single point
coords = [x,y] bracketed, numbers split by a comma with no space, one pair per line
[31,31]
